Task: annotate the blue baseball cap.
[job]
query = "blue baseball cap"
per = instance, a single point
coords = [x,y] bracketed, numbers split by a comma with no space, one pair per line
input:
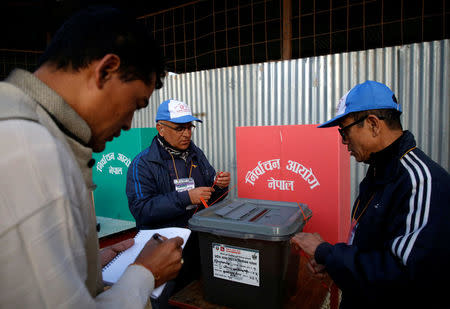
[175,111]
[366,96]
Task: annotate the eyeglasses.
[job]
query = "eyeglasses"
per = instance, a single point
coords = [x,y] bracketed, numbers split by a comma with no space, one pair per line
[343,130]
[179,129]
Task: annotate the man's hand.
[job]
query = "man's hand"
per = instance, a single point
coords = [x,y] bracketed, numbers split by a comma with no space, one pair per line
[108,253]
[223,179]
[317,270]
[163,259]
[200,192]
[307,242]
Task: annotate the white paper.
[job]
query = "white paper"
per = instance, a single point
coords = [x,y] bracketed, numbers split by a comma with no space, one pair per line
[114,270]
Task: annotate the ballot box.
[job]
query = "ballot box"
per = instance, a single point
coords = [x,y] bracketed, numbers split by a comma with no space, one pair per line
[245,250]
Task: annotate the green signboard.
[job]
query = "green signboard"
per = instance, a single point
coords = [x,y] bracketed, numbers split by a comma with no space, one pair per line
[110,172]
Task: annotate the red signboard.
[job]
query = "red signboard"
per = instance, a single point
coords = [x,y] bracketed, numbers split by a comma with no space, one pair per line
[298,163]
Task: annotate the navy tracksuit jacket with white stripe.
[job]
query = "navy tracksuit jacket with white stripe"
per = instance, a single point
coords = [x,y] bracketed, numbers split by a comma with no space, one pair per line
[400,255]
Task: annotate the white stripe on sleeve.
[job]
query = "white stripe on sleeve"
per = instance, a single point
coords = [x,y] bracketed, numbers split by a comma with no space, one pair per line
[419,203]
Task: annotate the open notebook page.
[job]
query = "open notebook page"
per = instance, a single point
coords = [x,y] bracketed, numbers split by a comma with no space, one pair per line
[114,270]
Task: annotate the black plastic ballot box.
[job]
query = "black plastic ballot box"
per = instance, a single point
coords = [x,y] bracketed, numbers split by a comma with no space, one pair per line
[245,250]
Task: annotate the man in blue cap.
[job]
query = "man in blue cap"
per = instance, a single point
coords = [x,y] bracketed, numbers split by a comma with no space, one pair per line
[169,181]
[398,245]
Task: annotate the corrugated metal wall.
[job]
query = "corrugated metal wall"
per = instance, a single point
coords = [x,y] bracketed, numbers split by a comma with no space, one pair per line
[306,91]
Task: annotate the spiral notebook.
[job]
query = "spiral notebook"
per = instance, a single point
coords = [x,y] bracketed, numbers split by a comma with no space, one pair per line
[114,269]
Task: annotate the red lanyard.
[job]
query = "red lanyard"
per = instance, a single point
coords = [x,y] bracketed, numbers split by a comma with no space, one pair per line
[356,208]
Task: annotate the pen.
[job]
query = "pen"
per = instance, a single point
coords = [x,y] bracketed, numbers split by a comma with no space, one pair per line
[158,237]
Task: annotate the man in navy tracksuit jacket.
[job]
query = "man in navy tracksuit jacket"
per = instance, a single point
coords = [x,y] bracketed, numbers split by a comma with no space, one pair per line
[167,182]
[398,251]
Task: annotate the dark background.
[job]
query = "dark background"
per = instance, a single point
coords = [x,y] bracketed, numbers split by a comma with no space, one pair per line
[28,24]
[207,34]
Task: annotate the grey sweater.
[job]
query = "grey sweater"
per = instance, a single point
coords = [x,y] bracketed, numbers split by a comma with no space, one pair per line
[48,227]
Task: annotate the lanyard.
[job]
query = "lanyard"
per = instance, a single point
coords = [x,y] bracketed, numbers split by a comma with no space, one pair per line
[175,167]
[365,207]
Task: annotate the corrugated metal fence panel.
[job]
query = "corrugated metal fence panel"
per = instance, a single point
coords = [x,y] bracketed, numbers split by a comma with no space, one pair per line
[306,91]
[425,93]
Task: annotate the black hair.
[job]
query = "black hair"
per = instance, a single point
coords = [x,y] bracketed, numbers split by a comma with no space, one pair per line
[390,116]
[96,31]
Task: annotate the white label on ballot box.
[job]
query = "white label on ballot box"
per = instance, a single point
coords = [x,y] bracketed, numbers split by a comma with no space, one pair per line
[236,264]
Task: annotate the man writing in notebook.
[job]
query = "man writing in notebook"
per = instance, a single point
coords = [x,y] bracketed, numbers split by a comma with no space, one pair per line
[170,180]
[100,67]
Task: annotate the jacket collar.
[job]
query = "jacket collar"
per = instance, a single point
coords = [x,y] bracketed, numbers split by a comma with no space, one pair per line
[385,164]
[155,151]
[62,113]
[177,153]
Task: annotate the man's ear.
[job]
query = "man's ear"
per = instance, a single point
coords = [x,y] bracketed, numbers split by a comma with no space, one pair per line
[160,129]
[374,124]
[105,68]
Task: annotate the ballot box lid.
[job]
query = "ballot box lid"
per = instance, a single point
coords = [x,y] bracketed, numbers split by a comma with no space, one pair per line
[252,219]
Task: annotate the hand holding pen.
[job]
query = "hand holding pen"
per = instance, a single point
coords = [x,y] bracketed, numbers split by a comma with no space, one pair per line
[162,256]
[161,239]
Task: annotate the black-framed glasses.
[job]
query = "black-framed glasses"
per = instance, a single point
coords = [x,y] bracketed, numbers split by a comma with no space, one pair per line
[343,130]
[179,129]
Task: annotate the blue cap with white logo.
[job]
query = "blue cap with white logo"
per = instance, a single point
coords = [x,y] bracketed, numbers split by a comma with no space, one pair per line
[366,96]
[175,111]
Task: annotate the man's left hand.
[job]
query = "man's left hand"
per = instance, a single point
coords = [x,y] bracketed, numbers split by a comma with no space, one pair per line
[317,270]
[108,253]
[307,242]
[223,179]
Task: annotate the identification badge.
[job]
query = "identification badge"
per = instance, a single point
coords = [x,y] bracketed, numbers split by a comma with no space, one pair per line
[184,184]
[351,233]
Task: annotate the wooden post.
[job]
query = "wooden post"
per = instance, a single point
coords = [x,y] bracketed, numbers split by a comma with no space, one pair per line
[287,30]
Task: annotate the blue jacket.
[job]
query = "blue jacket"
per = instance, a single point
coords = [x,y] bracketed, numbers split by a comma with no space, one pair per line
[152,198]
[400,253]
